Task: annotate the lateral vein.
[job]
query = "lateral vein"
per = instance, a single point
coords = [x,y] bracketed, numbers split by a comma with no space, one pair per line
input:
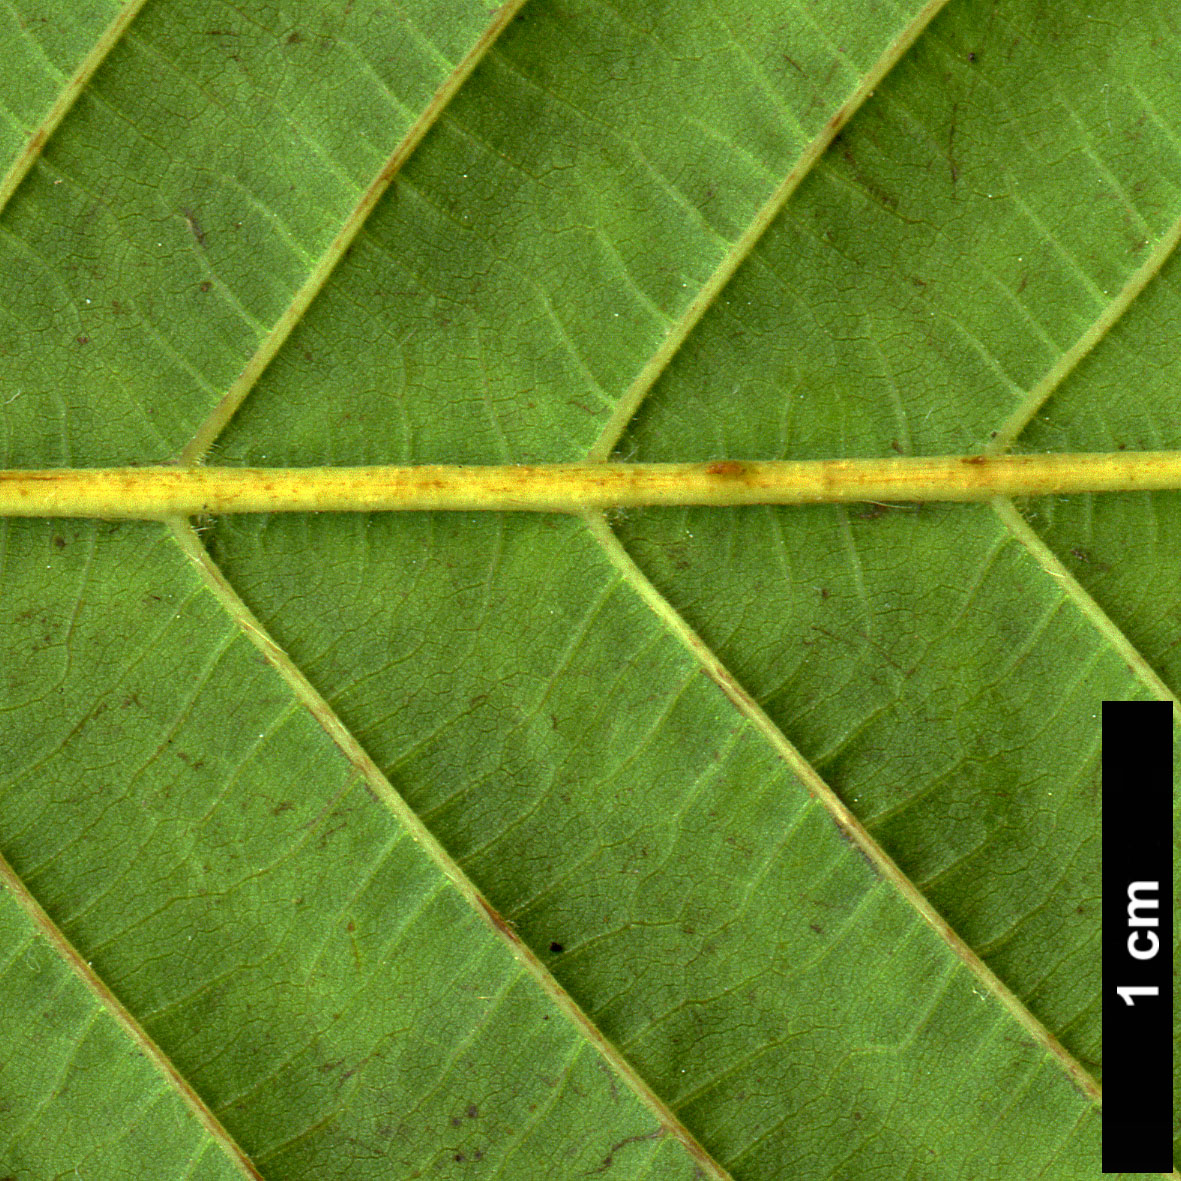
[10,880]
[385,792]
[845,819]
[196,448]
[76,83]
[679,331]
[1037,397]
[1024,533]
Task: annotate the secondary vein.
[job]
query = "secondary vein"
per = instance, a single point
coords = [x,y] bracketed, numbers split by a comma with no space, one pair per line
[74,86]
[846,821]
[385,792]
[1024,414]
[1024,533]
[10,880]
[677,334]
[195,450]
[1072,358]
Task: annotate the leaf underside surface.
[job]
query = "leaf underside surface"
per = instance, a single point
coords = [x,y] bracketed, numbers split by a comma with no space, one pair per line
[758,842]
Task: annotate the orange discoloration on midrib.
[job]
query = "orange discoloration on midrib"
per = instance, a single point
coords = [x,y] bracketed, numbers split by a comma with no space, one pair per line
[730,468]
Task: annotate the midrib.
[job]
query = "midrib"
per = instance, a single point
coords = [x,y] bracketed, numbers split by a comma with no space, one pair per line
[158,493]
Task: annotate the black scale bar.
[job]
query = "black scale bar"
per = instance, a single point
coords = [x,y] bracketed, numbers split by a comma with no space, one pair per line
[1137,937]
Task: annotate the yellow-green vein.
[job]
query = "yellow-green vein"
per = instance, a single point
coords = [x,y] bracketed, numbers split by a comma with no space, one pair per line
[1069,361]
[1037,397]
[19,168]
[195,449]
[156,493]
[49,930]
[1023,532]
[845,820]
[383,790]
[677,334]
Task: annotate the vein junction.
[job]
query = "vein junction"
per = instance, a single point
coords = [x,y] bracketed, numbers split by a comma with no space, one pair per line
[153,493]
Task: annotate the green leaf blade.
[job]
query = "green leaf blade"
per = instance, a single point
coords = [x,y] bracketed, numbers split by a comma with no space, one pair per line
[715,924]
[179,208]
[297,956]
[86,1100]
[752,842]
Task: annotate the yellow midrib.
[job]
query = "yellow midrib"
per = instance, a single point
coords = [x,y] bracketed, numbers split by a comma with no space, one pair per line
[166,491]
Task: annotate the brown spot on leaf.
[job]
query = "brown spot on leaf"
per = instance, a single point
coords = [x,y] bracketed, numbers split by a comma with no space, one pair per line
[497,920]
[609,1159]
[194,226]
[837,119]
[850,839]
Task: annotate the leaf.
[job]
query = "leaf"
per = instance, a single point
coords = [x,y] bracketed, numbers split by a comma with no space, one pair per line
[759,842]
